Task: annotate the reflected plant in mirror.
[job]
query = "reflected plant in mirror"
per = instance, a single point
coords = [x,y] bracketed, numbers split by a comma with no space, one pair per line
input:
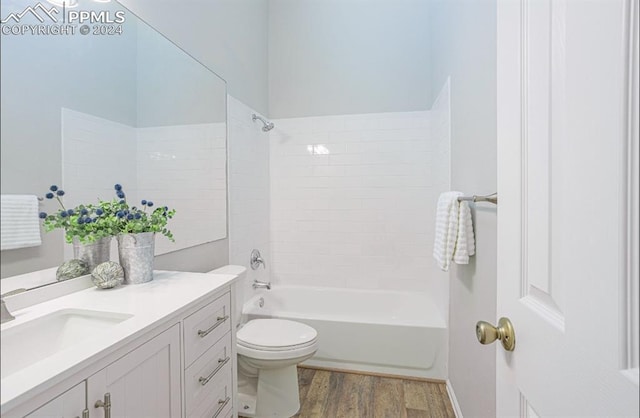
[85,222]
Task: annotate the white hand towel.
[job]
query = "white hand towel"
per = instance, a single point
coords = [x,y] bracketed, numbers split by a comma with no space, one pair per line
[19,221]
[446,229]
[465,242]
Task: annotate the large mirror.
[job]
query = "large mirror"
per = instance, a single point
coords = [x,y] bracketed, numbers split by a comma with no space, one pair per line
[108,100]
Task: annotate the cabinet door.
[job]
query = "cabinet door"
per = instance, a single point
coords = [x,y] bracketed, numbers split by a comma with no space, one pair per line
[70,404]
[143,383]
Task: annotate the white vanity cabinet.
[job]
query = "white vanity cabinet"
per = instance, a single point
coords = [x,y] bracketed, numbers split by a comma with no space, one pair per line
[143,383]
[71,403]
[209,355]
[182,366]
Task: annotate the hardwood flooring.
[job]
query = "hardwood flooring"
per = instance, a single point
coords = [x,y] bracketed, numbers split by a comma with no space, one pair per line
[330,394]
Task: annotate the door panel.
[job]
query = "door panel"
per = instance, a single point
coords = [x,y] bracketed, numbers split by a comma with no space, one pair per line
[70,404]
[143,383]
[564,84]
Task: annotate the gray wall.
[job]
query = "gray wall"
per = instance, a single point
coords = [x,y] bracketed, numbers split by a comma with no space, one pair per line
[330,57]
[172,88]
[228,36]
[464,46]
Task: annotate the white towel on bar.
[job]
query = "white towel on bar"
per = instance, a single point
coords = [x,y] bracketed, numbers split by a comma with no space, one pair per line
[465,241]
[446,229]
[19,221]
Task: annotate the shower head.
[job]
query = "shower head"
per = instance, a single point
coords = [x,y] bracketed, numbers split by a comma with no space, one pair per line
[267,125]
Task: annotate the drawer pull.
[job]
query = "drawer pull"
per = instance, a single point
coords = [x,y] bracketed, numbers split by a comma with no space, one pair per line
[221,362]
[220,321]
[222,403]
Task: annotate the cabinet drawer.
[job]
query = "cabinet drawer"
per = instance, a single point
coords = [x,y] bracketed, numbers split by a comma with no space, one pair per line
[204,378]
[203,328]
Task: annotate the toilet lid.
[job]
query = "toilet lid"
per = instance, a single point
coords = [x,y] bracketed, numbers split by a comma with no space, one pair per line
[270,334]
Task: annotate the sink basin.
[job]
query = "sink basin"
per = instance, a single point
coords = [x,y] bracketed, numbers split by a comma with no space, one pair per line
[25,344]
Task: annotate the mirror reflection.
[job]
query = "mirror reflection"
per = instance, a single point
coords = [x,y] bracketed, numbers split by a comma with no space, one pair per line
[87,111]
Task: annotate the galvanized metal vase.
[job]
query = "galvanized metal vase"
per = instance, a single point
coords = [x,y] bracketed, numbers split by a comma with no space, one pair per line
[92,253]
[136,256]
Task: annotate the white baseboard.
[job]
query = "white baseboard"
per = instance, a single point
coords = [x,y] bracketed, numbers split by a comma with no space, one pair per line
[454,400]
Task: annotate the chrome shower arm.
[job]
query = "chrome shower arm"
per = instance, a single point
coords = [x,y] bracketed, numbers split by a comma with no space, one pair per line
[267,125]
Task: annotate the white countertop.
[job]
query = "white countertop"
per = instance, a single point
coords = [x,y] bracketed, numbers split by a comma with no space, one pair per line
[150,304]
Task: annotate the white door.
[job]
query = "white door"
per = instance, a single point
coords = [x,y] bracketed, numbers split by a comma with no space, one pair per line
[70,404]
[568,211]
[144,383]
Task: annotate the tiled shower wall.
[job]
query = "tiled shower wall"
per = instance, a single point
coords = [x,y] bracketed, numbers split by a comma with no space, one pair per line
[248,192]
[353,200]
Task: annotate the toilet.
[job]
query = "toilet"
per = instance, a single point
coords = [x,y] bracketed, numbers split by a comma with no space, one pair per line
[269,351]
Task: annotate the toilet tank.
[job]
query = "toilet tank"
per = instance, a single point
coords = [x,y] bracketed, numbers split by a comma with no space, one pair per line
[238,287]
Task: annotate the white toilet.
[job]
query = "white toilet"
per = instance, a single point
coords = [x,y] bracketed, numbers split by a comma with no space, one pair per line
[268,352]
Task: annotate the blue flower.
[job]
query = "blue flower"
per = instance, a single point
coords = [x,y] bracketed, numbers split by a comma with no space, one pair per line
[53,188]
[49,195]
[99,211]
[120,194]
[60,192]
[70,212]
[122,201]
[149,203]
[130,216]
[84,212]
[137,216]
[80,221]
[119,214]
[42,215]
[117,187]
[64,214]
[143,202]
[88,220]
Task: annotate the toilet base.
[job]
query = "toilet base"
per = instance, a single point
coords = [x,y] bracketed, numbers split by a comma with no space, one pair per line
[246,405]
[273,394]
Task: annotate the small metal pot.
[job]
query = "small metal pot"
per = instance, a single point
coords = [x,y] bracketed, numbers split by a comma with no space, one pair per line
[136,253]
[92,253]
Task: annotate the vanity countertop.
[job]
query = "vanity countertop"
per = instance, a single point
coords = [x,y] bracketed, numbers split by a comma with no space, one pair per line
[168,294]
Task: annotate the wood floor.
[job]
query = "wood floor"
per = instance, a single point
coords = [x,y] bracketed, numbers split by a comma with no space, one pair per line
[329,394]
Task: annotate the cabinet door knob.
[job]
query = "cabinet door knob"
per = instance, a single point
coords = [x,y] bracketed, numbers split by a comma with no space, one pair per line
[106,404]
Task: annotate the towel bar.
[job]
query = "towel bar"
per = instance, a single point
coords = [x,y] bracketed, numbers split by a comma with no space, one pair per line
[492,198]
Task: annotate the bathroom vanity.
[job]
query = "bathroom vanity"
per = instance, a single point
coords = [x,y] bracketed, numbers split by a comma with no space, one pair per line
[160,349]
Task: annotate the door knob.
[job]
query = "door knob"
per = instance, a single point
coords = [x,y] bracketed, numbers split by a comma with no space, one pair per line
[504,332]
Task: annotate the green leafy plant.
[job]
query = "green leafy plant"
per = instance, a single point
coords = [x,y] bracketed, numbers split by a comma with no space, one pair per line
[87,223]
[125,219]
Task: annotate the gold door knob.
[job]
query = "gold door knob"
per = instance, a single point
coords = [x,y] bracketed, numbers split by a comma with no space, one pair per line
[487,333]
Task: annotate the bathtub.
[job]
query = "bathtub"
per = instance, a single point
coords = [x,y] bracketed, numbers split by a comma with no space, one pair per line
[385,332]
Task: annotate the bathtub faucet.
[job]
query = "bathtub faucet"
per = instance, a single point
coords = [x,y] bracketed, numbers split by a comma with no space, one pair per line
[261,285]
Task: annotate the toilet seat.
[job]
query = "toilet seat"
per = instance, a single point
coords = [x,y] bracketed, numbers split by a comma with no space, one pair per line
[276,339]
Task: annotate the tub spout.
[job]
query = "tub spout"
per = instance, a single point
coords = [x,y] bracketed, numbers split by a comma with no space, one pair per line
[261,285]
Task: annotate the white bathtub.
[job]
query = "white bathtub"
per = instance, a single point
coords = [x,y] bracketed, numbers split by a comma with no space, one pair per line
[399,333]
